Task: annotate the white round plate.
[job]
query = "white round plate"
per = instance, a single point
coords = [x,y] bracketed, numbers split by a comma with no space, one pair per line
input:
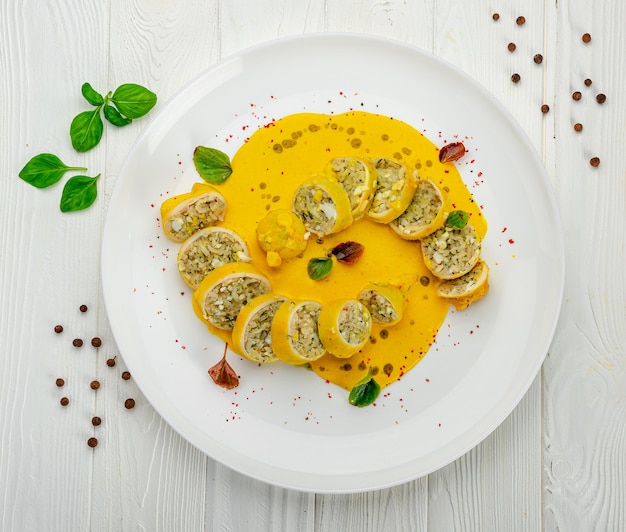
[284,425]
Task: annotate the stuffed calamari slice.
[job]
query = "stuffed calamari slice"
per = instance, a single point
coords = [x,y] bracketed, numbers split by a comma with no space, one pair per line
[358,178]
[464,290]
[207,249]
[295,334]
[424,215]
[385,302]
[344,327]
[184,214]
[223,293]
[322,205]
[395,187]
[450,253]
[252,336]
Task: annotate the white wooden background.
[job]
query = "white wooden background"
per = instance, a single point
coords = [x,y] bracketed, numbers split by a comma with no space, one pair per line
[557,463]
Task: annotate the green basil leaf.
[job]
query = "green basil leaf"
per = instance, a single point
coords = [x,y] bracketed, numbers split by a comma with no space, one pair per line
[114,116]
[319,268]
[457,219]
[86,130]
[364,392]
[44,170]
[212,165]
[93,97]
[79,193]
[133,101]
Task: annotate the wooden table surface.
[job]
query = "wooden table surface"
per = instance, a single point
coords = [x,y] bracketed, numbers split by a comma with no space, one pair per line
[558,462]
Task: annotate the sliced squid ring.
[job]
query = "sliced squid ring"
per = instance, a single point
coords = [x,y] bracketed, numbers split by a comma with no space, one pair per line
[207,249]
[385,302]
[450,253]
[465,290]
[184,214]
[357,177]
[395,187]
[344,327]
[252,336]
[295,336]
[424,215]
[322,205]
[223,292]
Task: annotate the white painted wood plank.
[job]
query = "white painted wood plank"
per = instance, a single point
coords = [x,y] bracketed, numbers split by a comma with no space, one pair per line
[403,508]
[497,485]
[585,374]
[246,23]
[45,462]
[236,502]
[408,21]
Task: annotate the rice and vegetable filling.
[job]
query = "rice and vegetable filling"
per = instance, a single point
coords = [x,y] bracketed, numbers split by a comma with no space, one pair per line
[257,334]
[390,181]
[381,309]
[358,179]
[425,206]
[322,205]
[303,331]
[353,323]
[203,212]
[450,253]
[208,249]
[316,208]
[223,303]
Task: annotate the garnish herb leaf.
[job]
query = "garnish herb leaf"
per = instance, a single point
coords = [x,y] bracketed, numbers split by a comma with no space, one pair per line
[45,169]
[86,130]
[319,268]
[129,101]
[79,193]
[133,101]
[114,116]
[91,95]
[223,374]
[364,392]
[212,165]
[348,252]
[451,152]
[457,219]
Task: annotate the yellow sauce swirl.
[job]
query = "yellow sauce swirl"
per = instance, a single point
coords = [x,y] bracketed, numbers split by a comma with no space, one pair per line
[267,170]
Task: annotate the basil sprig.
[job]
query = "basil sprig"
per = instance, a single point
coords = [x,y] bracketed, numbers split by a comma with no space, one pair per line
[86,130]
[79,193]
[114,116]
[364,392]
[213,165]
[457,219]
[120,108]
[45,169]
[133,101]
[91,95]
[319,268]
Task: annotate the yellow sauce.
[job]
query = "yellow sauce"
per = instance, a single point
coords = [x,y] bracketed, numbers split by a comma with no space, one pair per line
[268,168]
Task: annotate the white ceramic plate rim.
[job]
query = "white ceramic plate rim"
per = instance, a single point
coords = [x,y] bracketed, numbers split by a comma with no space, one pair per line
[129,318]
